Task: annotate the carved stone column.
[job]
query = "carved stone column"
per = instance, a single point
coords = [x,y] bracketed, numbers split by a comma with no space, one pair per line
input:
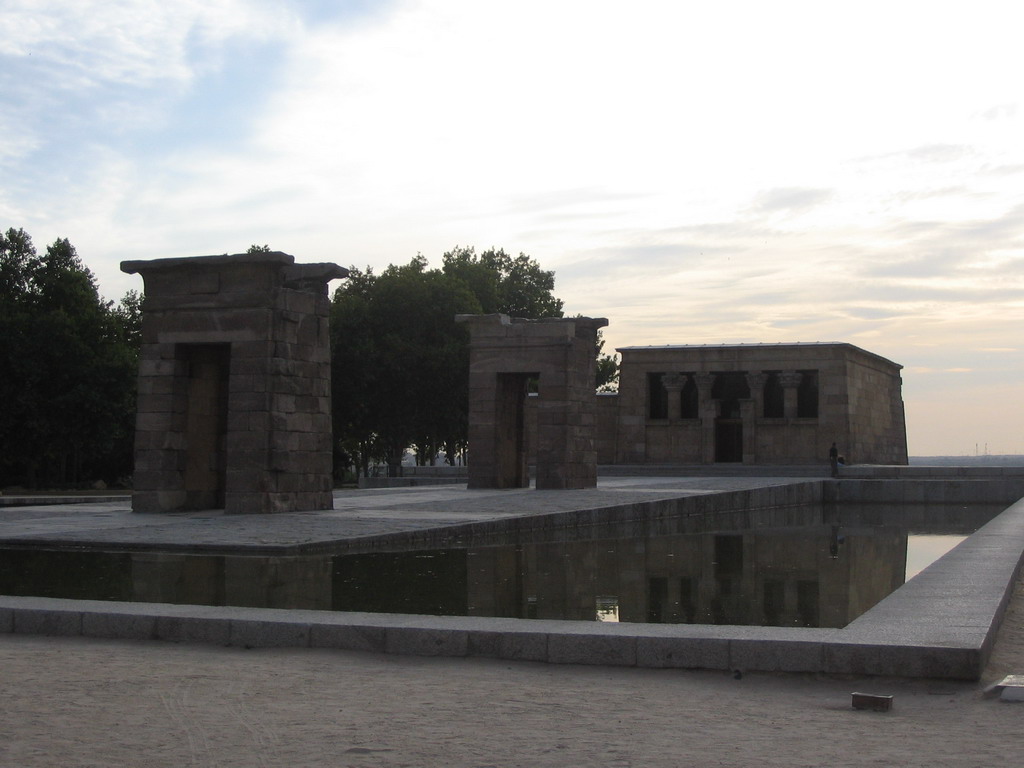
[755,382]
[751,409]
[708,410]
[790,383]
[748,412]
[674,383]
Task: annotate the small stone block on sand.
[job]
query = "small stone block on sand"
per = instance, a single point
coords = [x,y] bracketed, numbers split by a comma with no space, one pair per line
[1011,688]
[877,702]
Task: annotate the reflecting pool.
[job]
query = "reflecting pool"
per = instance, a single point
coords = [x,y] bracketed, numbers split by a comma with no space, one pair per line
[821,575]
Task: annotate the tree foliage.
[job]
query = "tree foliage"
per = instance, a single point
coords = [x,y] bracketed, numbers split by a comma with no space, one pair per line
[515,286]
[401,363]
[69,360]
[607,368]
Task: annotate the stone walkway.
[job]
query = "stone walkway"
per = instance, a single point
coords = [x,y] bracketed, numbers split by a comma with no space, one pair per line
[90,702]
[356,514]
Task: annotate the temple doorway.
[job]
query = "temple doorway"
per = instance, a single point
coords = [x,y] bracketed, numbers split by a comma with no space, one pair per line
[510,449]
[729,432]
[728,440]
[206,420]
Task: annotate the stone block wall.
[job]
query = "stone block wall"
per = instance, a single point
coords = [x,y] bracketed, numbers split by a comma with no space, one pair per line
[877,422]
[859,406]
[234,405]
[605,434]
[505,356]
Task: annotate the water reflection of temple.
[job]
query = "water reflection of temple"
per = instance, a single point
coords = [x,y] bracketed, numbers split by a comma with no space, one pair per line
[820,576]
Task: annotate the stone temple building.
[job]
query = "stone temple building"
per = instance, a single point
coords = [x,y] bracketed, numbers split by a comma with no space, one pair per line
[752,404]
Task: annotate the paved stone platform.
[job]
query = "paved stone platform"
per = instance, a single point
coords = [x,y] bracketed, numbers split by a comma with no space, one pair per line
[357,514]
[50,500]
[941,624]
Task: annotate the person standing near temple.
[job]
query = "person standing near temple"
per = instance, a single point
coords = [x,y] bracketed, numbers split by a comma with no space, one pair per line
[833,460]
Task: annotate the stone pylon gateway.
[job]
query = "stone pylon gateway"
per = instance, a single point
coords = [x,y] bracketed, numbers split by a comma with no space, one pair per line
[234,389]
[505,355]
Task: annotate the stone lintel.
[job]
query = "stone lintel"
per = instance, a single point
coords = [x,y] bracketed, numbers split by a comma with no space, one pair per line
[304,275]
[499,324]
[301,276]
[141,266]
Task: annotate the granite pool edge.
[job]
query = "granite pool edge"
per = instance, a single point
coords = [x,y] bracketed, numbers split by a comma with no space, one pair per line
[942,624]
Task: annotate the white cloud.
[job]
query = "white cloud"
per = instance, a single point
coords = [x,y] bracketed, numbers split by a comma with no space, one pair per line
[129,42]
[695,172]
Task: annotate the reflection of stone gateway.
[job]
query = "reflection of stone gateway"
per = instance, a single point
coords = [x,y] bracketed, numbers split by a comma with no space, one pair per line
[758,577]
[234,403]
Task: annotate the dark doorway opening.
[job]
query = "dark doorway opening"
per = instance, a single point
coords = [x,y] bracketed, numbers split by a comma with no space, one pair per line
[807,395]
[774,397]
[510,429]
[774,602]
[729,389]
[657,397]
[729,432]
[657,600]
[206,421]
[728,441]
[807,599]
[688,599]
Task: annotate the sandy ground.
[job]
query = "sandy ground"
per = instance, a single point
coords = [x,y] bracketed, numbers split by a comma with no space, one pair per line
[79,702]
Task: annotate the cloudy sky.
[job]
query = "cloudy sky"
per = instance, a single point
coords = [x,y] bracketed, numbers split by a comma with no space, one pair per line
[696,172]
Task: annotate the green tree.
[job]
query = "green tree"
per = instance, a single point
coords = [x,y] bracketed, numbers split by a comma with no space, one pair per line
[400,362]
[127,317]
[352,376]
[70,369]
[515,286]
[18,265]
[607,368]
